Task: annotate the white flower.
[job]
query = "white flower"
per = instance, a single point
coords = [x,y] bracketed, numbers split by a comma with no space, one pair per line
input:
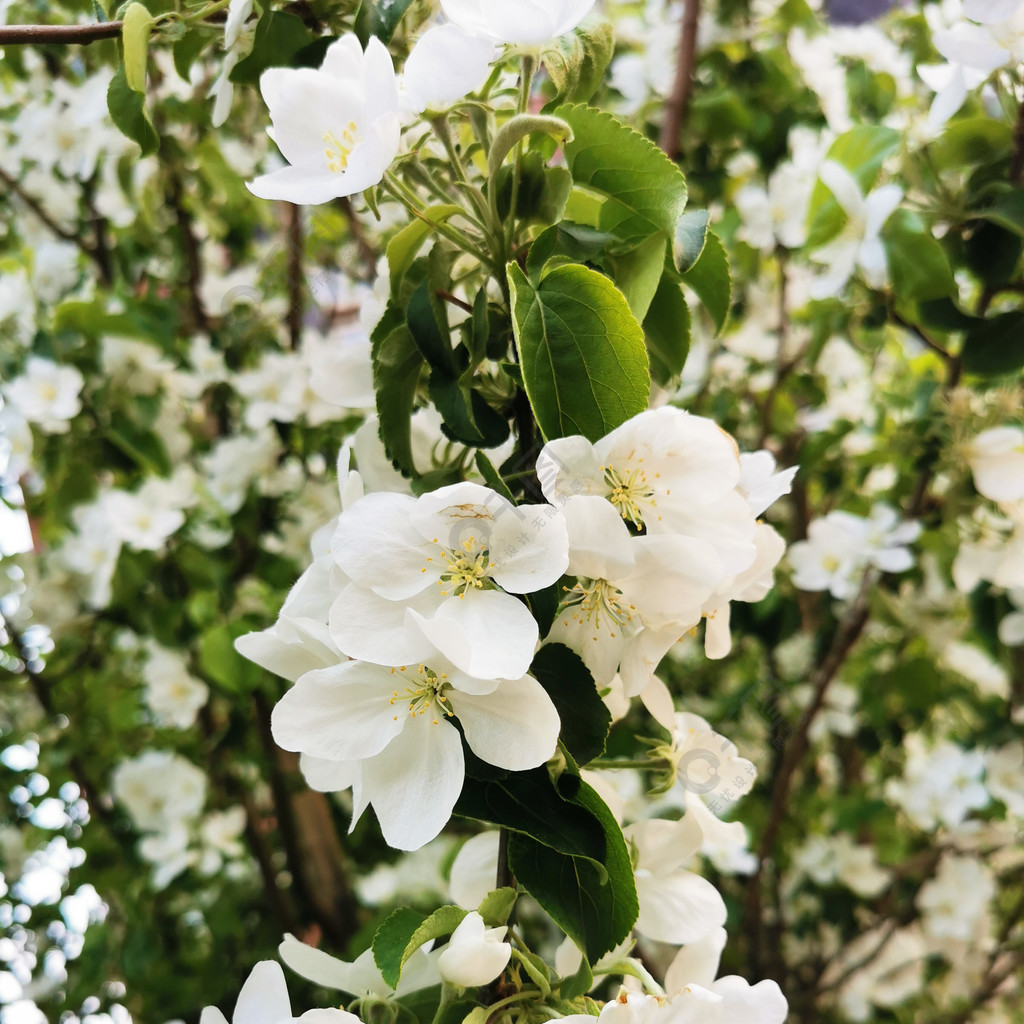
[274,390]
[54,270]
[46,394]
[939,784]
[634,596]
[234,462]
[1011,628]
[519,22]
[238,14]
[996,458]
[138,367]
[708,764]
[337,127]
[173,694]
[761,483]
[446,64]
[952,902]
[827,859]
[474,869]
[971,662]
[394,723]
[663,470]
[426,574]
[1004,776]
[264,1000]
[144,520]
[340,370]
[159,789]
[475,954]
[676,905]
[859,244]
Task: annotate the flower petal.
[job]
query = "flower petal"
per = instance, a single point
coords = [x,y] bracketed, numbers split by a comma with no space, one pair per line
[264,996]
[371,628]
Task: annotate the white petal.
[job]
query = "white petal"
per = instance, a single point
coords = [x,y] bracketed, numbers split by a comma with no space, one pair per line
[376,545]
[515,727]
[600,545]
[264,996]
[211,1015]
[529,547]
[328,1015]
[680,908]
[567,467]
[287,660]
[474,870]
[843,185]
[743,1003]
[328,776]
[488,634]
[298,185]
[319,967]
[414,783]
[880,206]
[697,962]
[343,713]
[372,628]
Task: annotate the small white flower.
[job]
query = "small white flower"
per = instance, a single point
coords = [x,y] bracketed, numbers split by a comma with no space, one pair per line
[446,64]
[519,22]
[996,459]
[859,244]
[46,394]
[475,954]
[337,127]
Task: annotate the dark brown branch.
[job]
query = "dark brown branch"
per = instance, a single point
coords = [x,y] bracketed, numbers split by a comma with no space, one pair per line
[296,285]
[455,301]
[367,253]
[190,247]
[12,35]
[678,105]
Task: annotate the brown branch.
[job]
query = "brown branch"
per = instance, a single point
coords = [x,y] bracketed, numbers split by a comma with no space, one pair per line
[296,283]
[367,253]
[95,252]
[190,247]
[1017,160]
[678,105]
[455,301]
[11,35]
[846,635]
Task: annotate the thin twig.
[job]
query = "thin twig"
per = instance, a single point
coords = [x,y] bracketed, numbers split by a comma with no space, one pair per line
[13,35]
[190,247]
[678,105]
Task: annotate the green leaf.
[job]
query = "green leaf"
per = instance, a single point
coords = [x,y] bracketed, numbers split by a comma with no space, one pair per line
[918,267]
[492,477]
[468,418]
[1007,211]
[565,243]
[972,140]
[380,18]
[497,906]
[406,244]
[432,339]
[667,331]
[992,253]
[222,664]
[127,111]
[135,29]
[645,190]
[391,940]
[577,62]
[528,802]
[691,234]
[636,273]
[535,968]
[709,277]
[279,37]
[581,350]
[571,687]
[995,346]
[577,984]
[596,909]
[397,366]
[390,953]
[861,150]
[186,50]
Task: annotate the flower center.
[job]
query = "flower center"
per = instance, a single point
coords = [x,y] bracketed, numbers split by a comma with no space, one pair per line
[590,599]
[629,491]
[467,567]
[426,693]
[340,149]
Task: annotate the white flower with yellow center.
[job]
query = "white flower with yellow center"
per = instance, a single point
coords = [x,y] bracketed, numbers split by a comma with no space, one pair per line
[438,573]
[338,127]
[665,472]
[387,732]
[633,597]
[46,394]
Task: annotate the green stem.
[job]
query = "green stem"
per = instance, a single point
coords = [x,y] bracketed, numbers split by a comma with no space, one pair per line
[528,66]
[648,764]
[411,202]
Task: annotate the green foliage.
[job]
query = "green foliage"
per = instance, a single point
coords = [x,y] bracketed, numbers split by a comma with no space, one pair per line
[596,906]
[127,111]
[405,244]
[582,351]
[585,718]
[576,63]
[918,267]
[136,25]
[644,191]
[397,366]
[667,331]
[996,345]
[709,278]
[404,932]
[279,37]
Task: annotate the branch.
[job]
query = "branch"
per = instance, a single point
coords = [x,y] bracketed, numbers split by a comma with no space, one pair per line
[190,246]
[12,35]
[678,105]
[295,280]
[1017,160]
